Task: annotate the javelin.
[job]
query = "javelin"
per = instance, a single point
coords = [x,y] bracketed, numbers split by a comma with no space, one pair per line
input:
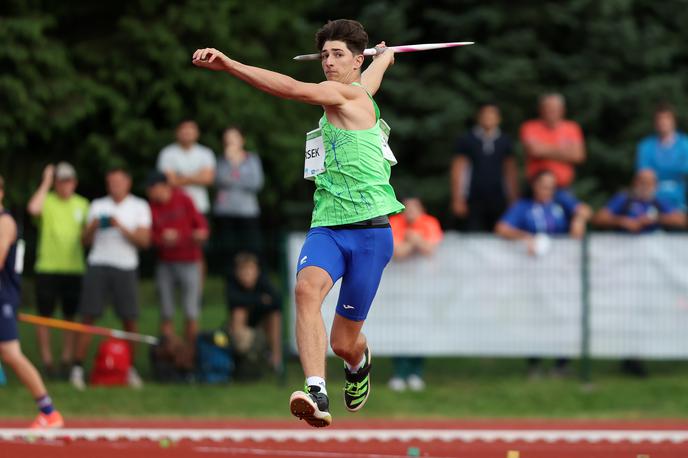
[402,48]
[87,329]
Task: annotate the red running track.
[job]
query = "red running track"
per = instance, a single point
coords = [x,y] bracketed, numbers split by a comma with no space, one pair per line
[65,447]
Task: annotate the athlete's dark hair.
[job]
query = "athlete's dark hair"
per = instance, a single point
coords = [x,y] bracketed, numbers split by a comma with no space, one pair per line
[2,183]
[350,32]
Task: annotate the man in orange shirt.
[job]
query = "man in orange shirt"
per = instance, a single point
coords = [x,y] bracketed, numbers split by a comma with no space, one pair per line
[414,231]
[552,142]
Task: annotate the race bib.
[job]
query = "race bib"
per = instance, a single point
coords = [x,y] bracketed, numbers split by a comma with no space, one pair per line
[19,257]
[384,138]
[314,162]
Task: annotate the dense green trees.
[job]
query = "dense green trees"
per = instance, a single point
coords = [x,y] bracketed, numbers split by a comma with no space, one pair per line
[104,82]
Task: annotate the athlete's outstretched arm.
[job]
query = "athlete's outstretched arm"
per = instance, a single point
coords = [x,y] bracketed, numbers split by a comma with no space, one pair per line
[327,93]
[371,78]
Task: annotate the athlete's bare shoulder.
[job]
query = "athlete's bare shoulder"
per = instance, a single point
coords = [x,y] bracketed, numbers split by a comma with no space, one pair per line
[349,91]
[356,114]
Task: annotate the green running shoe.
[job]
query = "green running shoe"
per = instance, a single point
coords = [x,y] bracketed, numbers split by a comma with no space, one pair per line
[357,385]
[312,406]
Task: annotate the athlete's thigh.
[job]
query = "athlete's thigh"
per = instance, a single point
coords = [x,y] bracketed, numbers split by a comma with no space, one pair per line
[321,263]
[371,251]
[8,321]
[322,249]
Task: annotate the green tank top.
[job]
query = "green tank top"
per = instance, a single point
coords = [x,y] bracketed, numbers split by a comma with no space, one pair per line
[355,184]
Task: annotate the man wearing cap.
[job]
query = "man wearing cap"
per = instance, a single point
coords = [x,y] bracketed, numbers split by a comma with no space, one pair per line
[178,231]
[60,214]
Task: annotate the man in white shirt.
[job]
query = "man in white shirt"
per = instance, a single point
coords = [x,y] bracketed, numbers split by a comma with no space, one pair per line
[189,165]
[118,225]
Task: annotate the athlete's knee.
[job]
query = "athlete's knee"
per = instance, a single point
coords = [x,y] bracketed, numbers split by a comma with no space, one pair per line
[343,348]
[306,291]
[9,353]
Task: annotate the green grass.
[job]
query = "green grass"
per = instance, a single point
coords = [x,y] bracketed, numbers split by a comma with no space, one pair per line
[457,388]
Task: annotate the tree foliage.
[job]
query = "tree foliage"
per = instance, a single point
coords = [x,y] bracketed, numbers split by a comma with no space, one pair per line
[102,83]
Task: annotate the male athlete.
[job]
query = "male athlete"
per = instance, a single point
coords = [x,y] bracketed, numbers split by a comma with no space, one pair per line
[10,350]
[350,236]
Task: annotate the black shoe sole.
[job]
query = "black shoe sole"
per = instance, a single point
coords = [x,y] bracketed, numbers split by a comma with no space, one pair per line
[303,408]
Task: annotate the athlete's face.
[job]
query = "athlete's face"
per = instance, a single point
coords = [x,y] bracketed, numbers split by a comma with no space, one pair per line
[339,63]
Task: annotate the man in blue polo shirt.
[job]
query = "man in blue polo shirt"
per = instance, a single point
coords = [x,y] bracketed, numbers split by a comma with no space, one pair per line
[640,210]
[666,152]
[545,211]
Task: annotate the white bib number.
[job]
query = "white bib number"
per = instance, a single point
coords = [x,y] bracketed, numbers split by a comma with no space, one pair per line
[384,138]
[315,155]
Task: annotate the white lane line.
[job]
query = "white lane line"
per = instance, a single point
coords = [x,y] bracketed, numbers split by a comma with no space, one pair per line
[363,435]
[300,453]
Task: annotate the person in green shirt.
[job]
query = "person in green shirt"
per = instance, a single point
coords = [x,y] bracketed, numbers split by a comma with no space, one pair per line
[350,237]
[61,216]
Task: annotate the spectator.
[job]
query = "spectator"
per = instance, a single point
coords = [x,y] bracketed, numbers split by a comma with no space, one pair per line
[117,226]
[189,165]
[178,232]
[61,216]
[239,178]
[553,143]
[484,176]
[414,232]
[253,301]
[666,153]
[546,212]
[640,210]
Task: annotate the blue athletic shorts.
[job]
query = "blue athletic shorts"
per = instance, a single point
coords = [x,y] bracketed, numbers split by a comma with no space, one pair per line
[8,321]
[357,256]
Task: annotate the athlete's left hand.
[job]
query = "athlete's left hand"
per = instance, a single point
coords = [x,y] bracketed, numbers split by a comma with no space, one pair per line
[210,58]
[384,51]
